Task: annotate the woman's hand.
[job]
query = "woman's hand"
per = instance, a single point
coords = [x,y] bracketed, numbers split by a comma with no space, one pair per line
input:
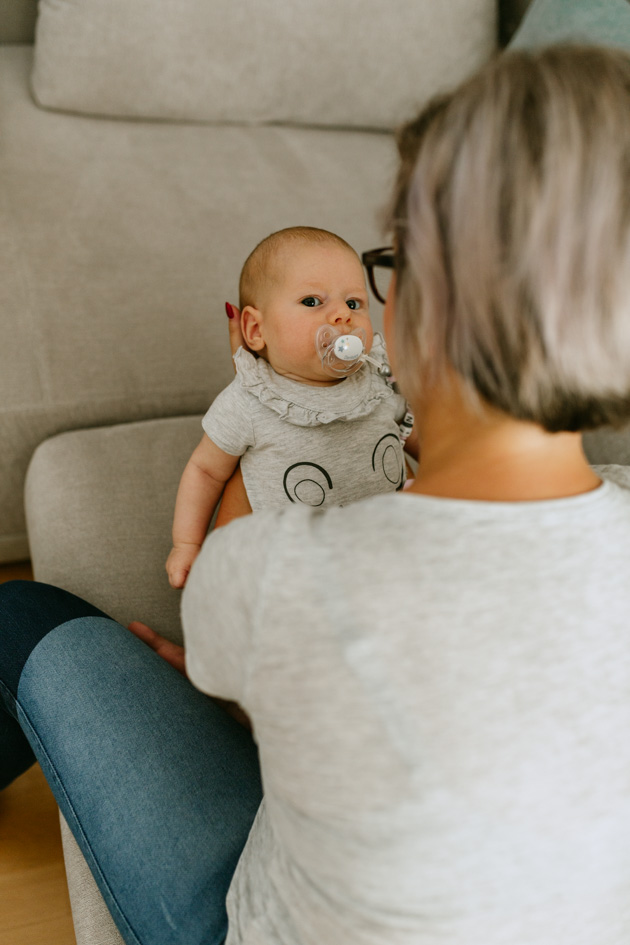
[171,652]
[234,502]
[174,655]
[234,327]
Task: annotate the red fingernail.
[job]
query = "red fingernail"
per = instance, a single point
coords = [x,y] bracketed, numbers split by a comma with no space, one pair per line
[229,311]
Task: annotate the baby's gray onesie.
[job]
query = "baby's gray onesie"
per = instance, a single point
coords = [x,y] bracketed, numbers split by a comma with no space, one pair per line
[312,445]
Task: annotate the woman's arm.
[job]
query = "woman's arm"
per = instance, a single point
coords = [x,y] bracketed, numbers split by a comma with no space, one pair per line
[234,503]
[175,656]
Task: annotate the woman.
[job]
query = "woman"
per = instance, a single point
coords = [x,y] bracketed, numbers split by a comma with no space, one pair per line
[438,680]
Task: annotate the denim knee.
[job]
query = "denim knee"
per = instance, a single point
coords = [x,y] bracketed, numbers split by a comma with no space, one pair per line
[28,611]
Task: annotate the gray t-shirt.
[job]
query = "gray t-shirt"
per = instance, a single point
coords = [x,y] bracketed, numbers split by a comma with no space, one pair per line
[440,692]
[310,445]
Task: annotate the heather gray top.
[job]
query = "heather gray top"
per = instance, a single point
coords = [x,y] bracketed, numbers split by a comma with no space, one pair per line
[440,691]
[311,445]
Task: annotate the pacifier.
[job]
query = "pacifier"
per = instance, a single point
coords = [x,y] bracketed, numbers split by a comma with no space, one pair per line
[342,354]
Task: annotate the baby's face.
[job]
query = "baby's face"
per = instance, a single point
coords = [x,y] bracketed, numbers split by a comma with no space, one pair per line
[313,285]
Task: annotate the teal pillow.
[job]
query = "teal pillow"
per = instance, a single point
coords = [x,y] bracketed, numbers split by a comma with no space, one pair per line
[598,22]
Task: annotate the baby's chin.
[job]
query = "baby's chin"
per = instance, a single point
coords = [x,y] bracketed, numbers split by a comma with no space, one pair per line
[319,379]
[313,376]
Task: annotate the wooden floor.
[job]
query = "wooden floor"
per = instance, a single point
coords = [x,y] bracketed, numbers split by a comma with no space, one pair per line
[34,905]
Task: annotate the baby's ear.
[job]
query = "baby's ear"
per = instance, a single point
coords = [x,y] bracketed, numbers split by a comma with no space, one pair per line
[251,326]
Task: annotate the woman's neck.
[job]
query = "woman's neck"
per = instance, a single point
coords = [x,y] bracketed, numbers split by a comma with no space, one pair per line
[493,457]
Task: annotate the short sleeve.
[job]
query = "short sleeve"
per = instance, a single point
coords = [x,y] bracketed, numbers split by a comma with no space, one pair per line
[221,603]
[228,421]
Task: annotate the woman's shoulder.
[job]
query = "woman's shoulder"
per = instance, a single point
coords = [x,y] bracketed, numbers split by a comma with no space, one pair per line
[297,530]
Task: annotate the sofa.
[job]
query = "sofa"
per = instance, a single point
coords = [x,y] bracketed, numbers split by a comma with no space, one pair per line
[145,148]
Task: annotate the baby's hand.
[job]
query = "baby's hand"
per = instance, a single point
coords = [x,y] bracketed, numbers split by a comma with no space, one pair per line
[179,563]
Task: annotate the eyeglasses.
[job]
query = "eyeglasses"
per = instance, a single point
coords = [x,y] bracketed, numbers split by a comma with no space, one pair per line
[379,265]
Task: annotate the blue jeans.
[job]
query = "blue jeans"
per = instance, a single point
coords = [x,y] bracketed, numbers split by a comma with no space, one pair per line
[159,785]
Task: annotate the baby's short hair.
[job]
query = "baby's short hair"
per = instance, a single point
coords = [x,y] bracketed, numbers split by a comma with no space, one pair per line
[258,268]
[511,216]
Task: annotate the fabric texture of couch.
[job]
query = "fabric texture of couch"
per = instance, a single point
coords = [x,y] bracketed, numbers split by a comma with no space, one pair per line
[123,236]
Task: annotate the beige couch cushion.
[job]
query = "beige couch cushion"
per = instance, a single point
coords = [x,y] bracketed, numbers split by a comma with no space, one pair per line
[100,508]
[359,63]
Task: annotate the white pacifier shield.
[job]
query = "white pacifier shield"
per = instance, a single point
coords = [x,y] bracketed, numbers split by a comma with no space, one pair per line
[341,354]
[348,347]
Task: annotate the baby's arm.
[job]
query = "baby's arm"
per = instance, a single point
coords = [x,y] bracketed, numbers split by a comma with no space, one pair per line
[200,488]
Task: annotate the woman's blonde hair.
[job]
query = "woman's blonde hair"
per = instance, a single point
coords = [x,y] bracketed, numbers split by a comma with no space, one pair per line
[511,216]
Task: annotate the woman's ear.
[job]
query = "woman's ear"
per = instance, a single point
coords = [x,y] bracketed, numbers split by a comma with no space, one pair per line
[251,326]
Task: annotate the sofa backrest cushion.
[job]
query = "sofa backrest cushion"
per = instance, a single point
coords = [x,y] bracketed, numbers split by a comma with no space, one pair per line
[350,63]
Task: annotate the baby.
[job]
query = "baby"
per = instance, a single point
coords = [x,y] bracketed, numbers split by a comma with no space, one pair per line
[308,426]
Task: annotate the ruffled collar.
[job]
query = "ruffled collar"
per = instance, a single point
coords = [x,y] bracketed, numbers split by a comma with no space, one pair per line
[307,406]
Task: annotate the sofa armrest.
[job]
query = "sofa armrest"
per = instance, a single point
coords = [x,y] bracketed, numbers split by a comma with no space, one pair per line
[99,507]
[93,924]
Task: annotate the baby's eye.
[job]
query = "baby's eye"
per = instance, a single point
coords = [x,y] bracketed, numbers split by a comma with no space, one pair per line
[354,304]
[311,301]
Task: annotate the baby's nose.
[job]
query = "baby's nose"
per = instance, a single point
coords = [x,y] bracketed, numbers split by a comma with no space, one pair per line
[340,317]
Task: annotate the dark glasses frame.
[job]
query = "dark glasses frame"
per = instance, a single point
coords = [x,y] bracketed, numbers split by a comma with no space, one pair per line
[382,258]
